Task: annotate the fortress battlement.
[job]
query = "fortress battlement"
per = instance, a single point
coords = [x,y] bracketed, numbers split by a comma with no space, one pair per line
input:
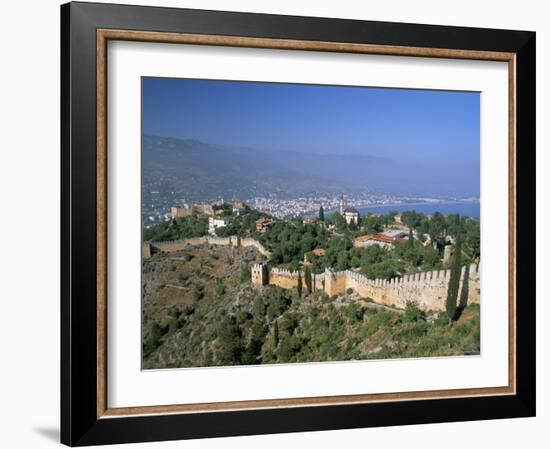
[428,289]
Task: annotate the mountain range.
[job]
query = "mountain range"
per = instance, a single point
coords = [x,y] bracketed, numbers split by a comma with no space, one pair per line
[199,170]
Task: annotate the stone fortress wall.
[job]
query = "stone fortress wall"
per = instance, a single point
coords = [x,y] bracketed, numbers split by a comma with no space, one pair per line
[428,289]
[150,248]
[289,279]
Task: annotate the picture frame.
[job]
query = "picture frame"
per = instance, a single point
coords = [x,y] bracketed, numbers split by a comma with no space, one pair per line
[86,28]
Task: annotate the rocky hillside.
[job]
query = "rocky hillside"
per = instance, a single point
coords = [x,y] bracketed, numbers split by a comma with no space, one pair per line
[199,309]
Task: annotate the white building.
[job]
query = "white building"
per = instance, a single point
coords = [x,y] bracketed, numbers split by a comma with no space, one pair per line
[217,222]
[351,215]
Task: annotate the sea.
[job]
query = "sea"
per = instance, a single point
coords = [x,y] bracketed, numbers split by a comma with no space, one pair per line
[469,209]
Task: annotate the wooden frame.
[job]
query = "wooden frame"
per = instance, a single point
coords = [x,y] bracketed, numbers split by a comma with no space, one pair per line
[86,29]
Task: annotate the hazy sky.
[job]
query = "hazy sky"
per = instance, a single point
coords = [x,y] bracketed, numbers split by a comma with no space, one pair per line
[421,126]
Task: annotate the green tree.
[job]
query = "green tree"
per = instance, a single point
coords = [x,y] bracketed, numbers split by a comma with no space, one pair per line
[430,258]
[275,335]
[373,223]
[454,281]
[453,224]
[338,221]
[321,213]
[299,286]
[253,350]
[438,226]
[230,342]
[472,239]
[389,218]
[153,340]
[411,219]
[386,269]
[245,273]
[307,276]
[288,348]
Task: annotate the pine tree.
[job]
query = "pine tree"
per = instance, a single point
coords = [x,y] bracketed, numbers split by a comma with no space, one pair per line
[454,281]
[307,276]
[275,335]
[321,214]
[299,286]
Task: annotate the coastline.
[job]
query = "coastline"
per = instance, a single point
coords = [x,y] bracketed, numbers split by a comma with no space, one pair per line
[411,206]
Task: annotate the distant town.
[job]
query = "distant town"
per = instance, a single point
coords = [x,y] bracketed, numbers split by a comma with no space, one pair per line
[158,210]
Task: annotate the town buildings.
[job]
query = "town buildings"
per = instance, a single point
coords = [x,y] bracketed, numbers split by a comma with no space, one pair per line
[384,239]
[263,224]
[217,222]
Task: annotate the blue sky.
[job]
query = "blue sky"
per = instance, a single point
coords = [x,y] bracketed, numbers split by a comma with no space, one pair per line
[417,126]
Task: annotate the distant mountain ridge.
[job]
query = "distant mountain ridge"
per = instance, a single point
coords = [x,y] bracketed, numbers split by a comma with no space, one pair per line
[201,170]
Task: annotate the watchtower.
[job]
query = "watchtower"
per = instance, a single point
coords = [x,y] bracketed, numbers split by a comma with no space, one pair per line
[259,274]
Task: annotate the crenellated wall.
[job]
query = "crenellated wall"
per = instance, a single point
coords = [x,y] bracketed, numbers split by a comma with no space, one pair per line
[428,289]
[178,245]
[289,279]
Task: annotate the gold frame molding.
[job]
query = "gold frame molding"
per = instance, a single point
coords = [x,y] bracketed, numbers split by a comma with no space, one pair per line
[105,35]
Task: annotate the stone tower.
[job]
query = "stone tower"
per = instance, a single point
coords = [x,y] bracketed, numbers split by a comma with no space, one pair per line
[259,274]
[342,204]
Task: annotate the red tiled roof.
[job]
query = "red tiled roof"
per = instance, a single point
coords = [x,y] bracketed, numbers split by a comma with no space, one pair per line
[379,238]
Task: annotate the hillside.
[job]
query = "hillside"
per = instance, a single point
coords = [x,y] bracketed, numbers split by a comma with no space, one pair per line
[199,309]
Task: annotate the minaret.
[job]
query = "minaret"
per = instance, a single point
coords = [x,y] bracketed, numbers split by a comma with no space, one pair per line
[342,204]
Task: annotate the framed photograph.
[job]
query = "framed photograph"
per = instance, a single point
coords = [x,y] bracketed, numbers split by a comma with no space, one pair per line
[282,224]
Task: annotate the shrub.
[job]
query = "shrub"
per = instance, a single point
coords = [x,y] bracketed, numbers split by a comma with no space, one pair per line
[243,316]
[412,313]
[219,288]
[153,340]
[288,348]
[277,302]
[198,292]
[289,323]
[349,291]
[354,312]
[230,342]
[245,274]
